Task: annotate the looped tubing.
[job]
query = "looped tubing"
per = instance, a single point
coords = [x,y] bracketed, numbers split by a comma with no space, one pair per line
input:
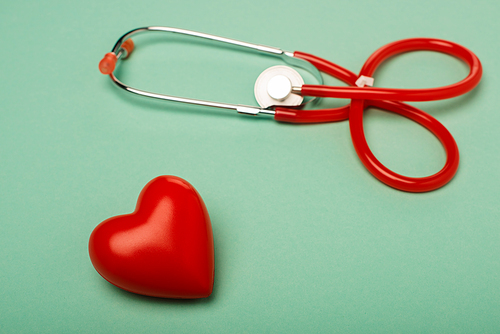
[389,99]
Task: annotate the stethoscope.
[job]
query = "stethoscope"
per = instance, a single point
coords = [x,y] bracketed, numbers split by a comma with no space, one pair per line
[280,92]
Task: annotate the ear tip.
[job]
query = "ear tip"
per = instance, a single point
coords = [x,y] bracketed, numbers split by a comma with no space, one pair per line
[108,63]
[128,46]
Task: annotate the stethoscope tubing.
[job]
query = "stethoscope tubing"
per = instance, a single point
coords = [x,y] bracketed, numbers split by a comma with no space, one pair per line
[409,95]
[389,99]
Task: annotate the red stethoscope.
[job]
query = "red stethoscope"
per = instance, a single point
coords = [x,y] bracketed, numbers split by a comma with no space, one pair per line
[280,93]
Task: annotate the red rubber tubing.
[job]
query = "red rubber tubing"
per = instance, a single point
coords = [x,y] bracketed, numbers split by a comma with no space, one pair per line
[389,99]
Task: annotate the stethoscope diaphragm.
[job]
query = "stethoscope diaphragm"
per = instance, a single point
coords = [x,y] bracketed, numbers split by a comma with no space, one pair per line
[274,85]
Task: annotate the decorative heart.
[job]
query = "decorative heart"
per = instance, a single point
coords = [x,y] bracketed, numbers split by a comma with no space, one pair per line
[164,248]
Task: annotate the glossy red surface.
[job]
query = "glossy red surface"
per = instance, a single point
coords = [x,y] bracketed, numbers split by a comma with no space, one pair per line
[163,249]
[389,99]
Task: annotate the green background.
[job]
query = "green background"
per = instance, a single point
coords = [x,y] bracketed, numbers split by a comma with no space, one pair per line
[306,240]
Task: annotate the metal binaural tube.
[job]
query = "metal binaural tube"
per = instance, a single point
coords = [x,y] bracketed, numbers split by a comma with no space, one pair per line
[119,49]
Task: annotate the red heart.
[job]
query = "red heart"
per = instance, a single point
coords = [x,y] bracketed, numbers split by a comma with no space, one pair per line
[164,248]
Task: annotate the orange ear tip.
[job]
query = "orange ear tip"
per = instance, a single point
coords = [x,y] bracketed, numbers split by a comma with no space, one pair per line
[108,63]
[128,45]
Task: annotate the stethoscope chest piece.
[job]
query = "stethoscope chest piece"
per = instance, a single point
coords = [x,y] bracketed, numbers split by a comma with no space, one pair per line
[274,87]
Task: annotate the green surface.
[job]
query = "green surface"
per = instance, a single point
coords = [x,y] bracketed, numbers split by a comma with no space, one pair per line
[306,240]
